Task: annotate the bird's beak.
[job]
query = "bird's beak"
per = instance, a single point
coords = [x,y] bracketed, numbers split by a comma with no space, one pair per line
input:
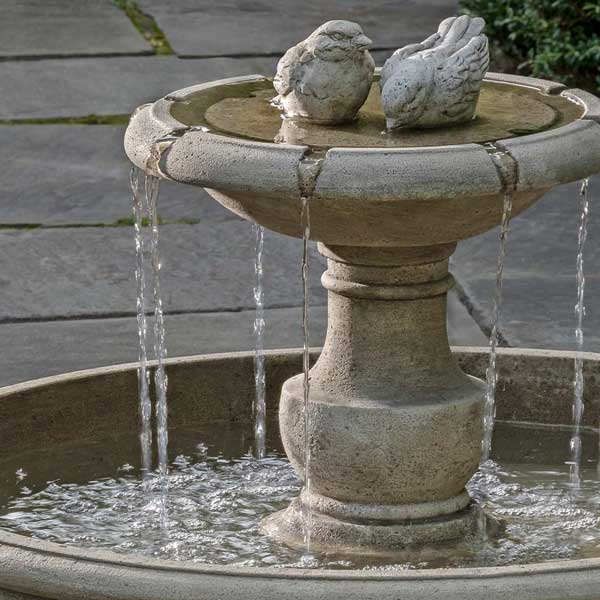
[362,42]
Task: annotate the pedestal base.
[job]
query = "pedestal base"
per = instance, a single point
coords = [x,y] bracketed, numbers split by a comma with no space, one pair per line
[329,534]
[392,429]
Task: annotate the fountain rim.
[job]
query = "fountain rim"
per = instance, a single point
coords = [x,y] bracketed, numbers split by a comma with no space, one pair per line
[228,163]
[27,550]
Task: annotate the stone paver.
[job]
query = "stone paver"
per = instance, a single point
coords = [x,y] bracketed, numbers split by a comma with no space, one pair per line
[235,27]
[111,86]
[106,86]
[38,28]
[49,273]
[540,288]
[462,328]
[60,347]
[79,174]
[34,350]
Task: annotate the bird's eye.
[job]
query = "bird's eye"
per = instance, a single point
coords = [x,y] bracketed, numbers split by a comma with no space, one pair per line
[337,36]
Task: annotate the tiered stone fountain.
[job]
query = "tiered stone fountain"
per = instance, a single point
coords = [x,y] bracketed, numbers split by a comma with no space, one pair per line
[396,425]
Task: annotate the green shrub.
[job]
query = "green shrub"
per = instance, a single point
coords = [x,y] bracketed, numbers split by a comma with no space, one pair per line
[552,39]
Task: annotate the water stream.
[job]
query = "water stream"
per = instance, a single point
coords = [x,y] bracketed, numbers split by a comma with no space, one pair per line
[305,221]
[491,372]
[259,345]
[152,185]
[309,168]
[578,407]
[146,212]
[143,373]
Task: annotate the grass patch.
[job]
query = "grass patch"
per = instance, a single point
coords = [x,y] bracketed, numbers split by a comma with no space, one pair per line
[85,120]
[146,25]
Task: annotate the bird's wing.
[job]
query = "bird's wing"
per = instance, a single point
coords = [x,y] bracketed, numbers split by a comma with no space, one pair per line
[461,73]
[290,69]
[454,34]
[401,54]
[405,93]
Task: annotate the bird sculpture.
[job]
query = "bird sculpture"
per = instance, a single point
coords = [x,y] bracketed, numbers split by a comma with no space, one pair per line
[327,77]
[436,82]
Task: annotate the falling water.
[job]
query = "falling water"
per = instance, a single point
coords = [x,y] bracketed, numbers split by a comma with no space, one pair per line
[143,375]
[305,223]
[152,188]
[308,172]
[259,347]
[575,463]
[151,191]
[491,373]
[160,349]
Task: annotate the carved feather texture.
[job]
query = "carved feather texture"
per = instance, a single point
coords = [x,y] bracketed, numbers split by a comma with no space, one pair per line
[290,69]
[436,82]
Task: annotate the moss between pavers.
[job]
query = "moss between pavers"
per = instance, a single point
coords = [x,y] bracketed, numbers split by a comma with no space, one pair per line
[146,25]
[85,120]
[123,222]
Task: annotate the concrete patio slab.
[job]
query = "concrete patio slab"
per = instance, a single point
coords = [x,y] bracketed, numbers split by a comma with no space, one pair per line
[236,27]
[540,287]
[50,348]
[33,350]
[111,86]
[79,174]
[57,28]
[50,273]
[106,86]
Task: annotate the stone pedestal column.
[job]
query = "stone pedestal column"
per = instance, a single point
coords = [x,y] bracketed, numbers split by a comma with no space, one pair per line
[395,425]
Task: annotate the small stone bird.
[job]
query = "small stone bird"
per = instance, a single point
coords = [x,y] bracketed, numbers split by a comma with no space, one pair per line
[436,82]
[327,77]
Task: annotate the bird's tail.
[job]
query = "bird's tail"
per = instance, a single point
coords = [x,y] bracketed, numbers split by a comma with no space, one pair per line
[456,32]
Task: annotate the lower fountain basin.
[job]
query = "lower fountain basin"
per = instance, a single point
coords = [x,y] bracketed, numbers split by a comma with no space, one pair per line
[60,413]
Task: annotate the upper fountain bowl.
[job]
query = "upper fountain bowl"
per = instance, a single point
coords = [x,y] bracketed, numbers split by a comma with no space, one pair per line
[407,188]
